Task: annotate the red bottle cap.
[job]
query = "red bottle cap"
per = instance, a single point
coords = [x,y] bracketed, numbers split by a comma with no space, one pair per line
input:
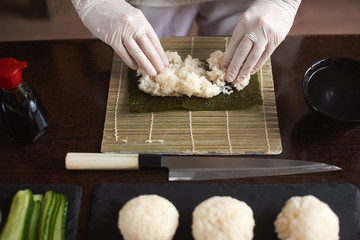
[10,72]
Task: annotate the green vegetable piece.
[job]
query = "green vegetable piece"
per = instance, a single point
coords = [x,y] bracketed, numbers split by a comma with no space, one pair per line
[18,220]
[60,222]
[35,217]
[38,197]
[53,216]
[48,207]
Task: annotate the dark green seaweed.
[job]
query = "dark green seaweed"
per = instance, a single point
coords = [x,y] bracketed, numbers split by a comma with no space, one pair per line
[140,101]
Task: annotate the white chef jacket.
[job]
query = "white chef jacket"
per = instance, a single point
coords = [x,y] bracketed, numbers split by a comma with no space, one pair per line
[167,3]
[173,18]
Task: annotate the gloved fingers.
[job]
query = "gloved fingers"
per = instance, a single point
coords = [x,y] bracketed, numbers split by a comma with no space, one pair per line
[264,57]
[114,40]
[125,56]
[229,53]
[241,53]
[233,45]
[150,52]
[251,60]
[139,56]
[236,39]
[157,45]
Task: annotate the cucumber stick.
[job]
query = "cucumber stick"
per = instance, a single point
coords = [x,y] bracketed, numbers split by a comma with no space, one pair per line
[60,221]
[47,210]
[18,220]
[35,217]
[53,217]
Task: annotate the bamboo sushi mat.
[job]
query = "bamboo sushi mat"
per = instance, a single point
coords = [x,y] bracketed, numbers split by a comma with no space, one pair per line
[248,131]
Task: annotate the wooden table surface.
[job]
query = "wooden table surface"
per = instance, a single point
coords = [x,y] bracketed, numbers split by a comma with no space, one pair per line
[71,78]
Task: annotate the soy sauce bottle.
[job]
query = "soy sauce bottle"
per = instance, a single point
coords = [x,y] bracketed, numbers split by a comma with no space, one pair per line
[25,119]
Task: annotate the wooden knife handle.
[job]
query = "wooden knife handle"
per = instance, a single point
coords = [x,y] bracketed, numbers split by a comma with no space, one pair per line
[101,161]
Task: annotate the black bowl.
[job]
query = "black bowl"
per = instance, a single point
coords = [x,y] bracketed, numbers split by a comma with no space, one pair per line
[331,88]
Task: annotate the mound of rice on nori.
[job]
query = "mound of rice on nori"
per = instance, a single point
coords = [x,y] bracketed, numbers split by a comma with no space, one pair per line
[140,101]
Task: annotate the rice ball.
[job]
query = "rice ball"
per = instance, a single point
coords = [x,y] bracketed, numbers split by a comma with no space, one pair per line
[224,218]
[148,217]
[307,218]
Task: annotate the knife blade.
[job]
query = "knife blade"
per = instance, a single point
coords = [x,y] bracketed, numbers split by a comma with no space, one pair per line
[184,168]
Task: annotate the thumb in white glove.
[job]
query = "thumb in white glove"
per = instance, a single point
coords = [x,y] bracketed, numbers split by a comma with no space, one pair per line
[262,27]
[126,30]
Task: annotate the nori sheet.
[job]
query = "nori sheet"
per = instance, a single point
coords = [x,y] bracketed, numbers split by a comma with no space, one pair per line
[140,101]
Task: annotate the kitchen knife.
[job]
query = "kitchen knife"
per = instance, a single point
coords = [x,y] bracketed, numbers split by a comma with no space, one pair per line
[182,168]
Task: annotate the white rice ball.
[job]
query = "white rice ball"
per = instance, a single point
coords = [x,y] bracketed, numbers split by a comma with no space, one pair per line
[223,218]
[307,218]
[148,217]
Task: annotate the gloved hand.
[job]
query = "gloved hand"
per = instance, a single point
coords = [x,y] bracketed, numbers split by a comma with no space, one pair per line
[126,30]
[262,27]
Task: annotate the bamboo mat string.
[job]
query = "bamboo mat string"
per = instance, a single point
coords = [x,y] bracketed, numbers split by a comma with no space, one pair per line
[117,105]
[264,111]
[228,131]
[191,133]
[150,140]
[227,112]
[192,46]
[190,115]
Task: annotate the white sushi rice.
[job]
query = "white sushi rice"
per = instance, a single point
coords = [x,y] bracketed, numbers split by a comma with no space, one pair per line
[189,78]
[307,218]
[148,217]
[223,217]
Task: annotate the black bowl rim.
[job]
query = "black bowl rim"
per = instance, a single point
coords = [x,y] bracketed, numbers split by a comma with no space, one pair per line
[317,66]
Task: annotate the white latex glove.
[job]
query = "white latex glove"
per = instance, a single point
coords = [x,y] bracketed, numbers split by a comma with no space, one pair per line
[126,30]
[262,27]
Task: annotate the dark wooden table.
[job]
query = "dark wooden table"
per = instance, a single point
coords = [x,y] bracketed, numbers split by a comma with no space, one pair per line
[71,78]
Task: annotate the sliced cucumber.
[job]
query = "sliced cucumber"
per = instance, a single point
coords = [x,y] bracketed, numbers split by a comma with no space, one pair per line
[38,197]
[18,220]
[60,222]
[35,217]
[47,210]
[53,216]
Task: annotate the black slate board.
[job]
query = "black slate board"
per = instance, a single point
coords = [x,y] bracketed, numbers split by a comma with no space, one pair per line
[73,193]
[266,200]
